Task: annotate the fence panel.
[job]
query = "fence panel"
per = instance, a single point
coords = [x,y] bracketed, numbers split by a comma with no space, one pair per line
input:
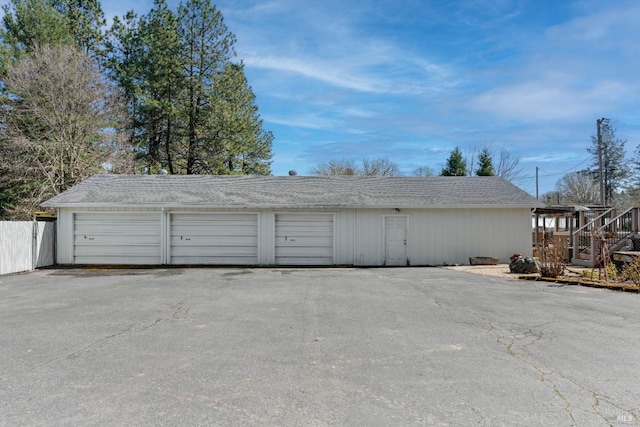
[44,253]
[26,245]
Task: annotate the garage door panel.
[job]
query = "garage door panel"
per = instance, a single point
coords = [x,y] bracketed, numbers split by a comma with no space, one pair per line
[304,239]
[214,231]
[214,241]
[95,239]
[214,238]
[213,252]
[111,227]
[307,232]
[305,217]
[117,238]
[325,241]
[303,251]
[111,250]
[209,260]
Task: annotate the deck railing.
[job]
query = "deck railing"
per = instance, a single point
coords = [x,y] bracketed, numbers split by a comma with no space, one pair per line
[615,228]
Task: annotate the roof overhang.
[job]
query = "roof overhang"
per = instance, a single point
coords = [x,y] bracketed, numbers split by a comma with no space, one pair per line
[177,206]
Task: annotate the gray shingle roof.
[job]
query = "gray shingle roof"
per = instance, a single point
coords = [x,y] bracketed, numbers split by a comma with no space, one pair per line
[292,192]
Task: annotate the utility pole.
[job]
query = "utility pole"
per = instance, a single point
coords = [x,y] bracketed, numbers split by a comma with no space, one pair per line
[600,168]
[537,198]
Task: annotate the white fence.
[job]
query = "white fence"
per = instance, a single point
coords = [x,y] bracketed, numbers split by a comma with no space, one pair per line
[26,245]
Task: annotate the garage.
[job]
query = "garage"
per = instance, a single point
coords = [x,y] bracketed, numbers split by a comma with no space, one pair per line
[213,238]
[117,238]
[290,220]
[304,239]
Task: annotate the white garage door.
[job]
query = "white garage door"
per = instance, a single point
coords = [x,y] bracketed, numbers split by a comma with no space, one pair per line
[223,239]
[117,238]
[304,239]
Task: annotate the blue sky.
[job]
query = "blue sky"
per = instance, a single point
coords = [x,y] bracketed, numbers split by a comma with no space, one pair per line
[412,79]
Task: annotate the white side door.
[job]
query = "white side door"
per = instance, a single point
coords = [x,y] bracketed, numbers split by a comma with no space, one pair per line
[395,240]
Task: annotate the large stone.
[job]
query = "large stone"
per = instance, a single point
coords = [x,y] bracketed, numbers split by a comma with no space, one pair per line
[525,265]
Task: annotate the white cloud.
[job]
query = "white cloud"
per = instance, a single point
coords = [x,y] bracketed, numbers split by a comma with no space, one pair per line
[487,13]
[544,100]
[307,121]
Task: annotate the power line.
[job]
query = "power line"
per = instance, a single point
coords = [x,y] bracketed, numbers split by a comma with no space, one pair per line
[571,169]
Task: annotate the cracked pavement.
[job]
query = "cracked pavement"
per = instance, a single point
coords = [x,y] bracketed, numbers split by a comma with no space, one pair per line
[397,346]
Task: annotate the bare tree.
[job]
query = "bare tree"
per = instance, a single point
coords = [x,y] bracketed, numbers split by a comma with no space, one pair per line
[336,167]
[423,171]
[578,188]
[379,167]
[376,167]
[508,165]
[60,124]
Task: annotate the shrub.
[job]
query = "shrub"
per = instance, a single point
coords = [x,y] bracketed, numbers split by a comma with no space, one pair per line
[611,273]
[553,257]
[631,272]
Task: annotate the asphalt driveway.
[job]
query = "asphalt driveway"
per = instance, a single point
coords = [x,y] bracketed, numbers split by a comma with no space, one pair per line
[401,346]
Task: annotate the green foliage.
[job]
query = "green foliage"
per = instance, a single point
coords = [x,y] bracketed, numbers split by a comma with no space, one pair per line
[234,128]
[485,163]
[85,22]
[456,165]
[615,169]
[30,23]
[193,109]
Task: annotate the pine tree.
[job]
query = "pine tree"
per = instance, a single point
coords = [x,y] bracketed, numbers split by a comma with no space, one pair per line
[193,109]
[615,171]
[456,165]
[31,23]
[485,163]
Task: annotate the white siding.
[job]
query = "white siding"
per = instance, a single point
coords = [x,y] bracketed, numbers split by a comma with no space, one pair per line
[267,244]
[434,236]
[214,238]
[451,236]
[117,238]
[444,236]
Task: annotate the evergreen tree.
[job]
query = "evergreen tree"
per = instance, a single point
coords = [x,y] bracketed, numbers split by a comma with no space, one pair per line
[193,109]
[235,141]
[31,23]
[28,23]
[456,165]
[615,171]
[85,22]
[144,60]
[485,163]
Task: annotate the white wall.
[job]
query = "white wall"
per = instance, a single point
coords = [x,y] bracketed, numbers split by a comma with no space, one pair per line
[435,236]
[26,245]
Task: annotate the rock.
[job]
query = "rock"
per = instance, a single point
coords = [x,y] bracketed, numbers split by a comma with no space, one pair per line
[525,265]
[514,257]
